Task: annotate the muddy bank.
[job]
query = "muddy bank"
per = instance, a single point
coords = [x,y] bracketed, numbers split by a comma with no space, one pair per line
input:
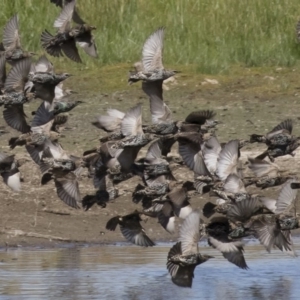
[37,217]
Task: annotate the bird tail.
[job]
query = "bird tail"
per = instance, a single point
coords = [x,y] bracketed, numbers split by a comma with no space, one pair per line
[47,40]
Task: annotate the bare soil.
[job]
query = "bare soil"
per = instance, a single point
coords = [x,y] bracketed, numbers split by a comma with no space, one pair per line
[248,102]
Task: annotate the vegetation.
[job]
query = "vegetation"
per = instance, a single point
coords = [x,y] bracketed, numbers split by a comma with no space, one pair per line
[210,35]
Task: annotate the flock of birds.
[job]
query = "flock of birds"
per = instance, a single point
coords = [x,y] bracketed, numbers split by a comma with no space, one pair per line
[232,216]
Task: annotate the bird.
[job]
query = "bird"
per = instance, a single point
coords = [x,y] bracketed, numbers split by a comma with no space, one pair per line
[151,67]
[11,42]
[268,174]
[131,229]
[218,230]
[184,256]
[14,96]
[64,171]
[67,36]
[44,79]
[273,227]
[110,122]
[204,118]
[105,192]
[279,140]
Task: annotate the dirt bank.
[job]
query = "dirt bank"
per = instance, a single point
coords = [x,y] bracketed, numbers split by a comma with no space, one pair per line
[245,104]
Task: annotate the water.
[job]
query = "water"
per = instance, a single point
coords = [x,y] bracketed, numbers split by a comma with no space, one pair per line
[130,272]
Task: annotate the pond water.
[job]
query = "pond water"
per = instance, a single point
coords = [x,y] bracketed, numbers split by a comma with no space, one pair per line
[130,272]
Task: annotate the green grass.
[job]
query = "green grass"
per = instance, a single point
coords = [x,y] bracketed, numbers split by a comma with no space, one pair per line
[209,35]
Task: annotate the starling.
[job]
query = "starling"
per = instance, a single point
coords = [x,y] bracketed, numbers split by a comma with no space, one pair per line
[13,51]
[67,36]
[152,68]
[131,229]
[184,256]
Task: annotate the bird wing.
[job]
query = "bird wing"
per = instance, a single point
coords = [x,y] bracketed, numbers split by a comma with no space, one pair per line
[63,22]
[43,115]
[110,122]
[286,197]
[154,151]
[190,153]
[286,125]
[67,189]
[11,38]
[228,160]
[132,122]
[184,276]
[232,251]
[233,184]
[152,51]
[269,203]
[70,50]
[15,117]
[174,251]
[18,76]
[262,167]
[136,236]
[200,116]
[115,113]
[160,112]
[189,233]
[243,210]
[43,65]
[269,235]
[87,42]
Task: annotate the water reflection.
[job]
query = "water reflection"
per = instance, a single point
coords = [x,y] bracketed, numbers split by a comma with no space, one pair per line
[129,272]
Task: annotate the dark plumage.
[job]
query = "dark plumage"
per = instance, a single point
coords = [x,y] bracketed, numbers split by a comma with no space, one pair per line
[131,229]
[67,36]
[14,96]
[45,80]
[218,231]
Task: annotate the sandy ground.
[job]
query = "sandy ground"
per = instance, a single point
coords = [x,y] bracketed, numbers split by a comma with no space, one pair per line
[37,217]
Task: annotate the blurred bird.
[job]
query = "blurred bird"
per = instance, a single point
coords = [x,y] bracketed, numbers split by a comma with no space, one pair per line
[184,256]
[9,169]
[151,67]
[14,96]
[11,42]
[131,229]
[67,36]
